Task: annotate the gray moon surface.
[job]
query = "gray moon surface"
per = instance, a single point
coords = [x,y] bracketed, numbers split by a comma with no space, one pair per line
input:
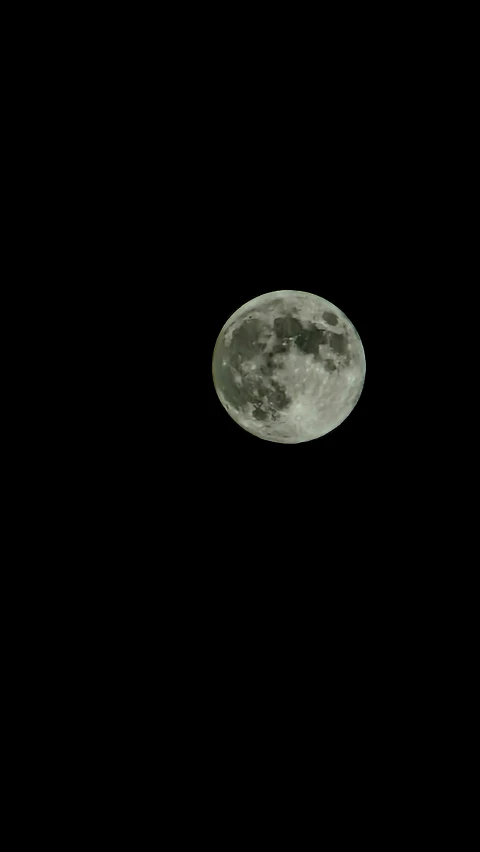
[288,366]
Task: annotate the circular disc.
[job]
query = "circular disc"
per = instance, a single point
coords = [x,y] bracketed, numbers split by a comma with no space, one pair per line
[288,366]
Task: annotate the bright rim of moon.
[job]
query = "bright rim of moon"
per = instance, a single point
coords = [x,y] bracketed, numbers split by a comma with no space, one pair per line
[288,366]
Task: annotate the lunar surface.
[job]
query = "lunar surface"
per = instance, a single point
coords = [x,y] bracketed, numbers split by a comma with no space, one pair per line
[288,366]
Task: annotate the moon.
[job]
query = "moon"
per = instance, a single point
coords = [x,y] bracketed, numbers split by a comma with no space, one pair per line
[288,366]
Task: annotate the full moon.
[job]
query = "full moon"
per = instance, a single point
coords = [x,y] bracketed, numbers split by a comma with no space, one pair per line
[288,366]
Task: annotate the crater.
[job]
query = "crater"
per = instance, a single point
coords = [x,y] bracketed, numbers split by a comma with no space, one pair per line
[259,414]
[332,319]
[330,365]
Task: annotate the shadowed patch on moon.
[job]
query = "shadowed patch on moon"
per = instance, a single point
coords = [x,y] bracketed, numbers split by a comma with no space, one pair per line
[271,361]
[277,397]
[260,414]
[330,365]
[245,338]
[281,347]
[310,339]
[287,326]
[268,400]
[259,388]
[268,363]
[233,393]
[240,394]
[330,318]
[338,343]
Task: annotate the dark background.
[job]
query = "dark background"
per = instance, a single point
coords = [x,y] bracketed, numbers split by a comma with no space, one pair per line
[223,590]
[200,162]
[253,166]
[219,163]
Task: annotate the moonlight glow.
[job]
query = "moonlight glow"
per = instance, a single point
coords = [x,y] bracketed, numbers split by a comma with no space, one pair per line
[288,366]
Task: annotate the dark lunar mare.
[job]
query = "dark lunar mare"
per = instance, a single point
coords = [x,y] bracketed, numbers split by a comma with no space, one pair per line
[245,339]
[332,319]
[260,388]
[287,326]
[306,336]
[338,342]
[310,338]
